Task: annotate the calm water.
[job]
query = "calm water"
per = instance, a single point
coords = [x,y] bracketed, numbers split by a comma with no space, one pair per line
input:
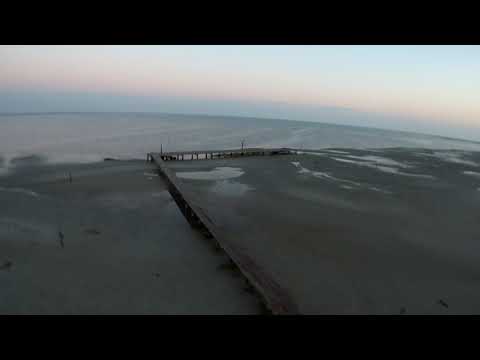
[91,137]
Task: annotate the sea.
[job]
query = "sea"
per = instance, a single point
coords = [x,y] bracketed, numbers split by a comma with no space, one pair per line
[91,137]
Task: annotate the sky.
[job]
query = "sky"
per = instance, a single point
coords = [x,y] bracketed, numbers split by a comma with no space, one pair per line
[433,89]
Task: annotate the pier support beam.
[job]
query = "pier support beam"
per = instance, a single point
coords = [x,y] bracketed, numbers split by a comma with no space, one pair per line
[219,154]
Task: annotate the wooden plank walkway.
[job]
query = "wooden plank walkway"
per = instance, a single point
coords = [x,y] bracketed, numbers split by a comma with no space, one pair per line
[215,154]
[274,297]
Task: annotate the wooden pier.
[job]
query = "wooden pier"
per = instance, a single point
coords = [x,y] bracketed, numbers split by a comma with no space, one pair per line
[273,296]
[217,154]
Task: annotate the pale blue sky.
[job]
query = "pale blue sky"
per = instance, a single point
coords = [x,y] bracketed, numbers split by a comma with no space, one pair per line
[414,88]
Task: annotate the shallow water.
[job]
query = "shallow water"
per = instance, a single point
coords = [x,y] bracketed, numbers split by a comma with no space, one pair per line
[219,173]
[76,137]
[454,158]
[472,173]
[386,165]
[381,160]
[230,188]
[321,175]
[19,190]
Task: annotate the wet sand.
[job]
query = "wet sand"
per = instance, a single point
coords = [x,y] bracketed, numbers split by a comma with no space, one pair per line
[112,241]
[345,231]
[392,231]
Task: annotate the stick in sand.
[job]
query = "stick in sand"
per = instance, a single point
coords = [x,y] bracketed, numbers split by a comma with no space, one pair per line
[60,235]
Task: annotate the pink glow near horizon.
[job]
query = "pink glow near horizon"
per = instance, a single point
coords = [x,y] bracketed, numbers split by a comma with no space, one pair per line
[206,72]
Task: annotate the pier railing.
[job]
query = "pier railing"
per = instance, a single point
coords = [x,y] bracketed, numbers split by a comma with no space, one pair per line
[216,154]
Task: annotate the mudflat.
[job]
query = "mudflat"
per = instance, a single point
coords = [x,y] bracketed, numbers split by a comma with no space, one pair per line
[349,231]
[105,238]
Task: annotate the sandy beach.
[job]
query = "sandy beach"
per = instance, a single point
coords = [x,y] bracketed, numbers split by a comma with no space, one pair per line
[349,231]
[112,241]
[344,231]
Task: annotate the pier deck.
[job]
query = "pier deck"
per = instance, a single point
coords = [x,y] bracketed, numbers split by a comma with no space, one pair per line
[215,154]
[274,297]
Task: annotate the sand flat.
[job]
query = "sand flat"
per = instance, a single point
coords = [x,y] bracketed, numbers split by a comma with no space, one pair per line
[395,244]
[125,247]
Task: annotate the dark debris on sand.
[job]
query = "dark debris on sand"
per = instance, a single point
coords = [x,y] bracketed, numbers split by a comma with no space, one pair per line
[443,303]
[92,231]
[6,265]
[61,236]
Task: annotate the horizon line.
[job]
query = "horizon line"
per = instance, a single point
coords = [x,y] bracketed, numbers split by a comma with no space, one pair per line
[240,117]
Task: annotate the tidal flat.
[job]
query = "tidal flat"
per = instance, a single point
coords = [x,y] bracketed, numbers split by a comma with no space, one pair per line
[349,231]
[109,241]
